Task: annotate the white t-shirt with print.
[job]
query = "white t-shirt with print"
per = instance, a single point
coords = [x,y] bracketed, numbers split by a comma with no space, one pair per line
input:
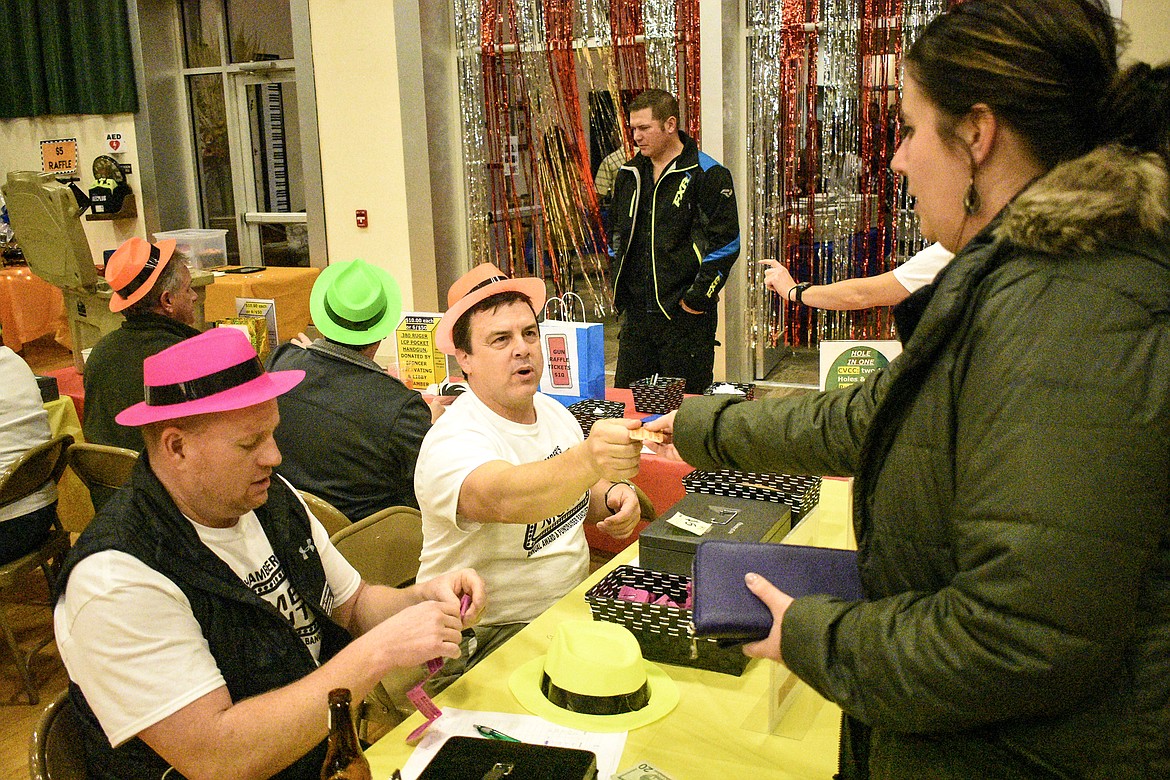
[123,627]
[921,269]
[526,568]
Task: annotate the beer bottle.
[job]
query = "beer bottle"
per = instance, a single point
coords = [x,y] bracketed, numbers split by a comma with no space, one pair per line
[343,759]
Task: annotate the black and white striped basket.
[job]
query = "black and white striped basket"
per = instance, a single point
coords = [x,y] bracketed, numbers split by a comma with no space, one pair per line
[748,390]
[591,410]
[800,492]
[657,394]
[663,633]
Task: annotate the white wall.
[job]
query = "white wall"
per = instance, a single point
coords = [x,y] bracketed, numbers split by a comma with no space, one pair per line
[366,160]
[1149,28]
[20,150]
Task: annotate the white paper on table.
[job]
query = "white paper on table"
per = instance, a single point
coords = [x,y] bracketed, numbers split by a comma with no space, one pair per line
[526,728]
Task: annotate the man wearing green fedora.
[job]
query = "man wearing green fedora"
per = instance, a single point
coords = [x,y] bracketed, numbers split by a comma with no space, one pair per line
[350,433]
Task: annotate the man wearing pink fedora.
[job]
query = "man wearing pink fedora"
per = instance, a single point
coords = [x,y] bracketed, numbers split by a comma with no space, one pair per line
[156,297]
[505,479]
[204,614]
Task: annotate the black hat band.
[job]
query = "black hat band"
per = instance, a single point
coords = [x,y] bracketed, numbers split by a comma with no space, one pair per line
[204,386]
[485,283]
[354,324]
[617,704]
[132,286]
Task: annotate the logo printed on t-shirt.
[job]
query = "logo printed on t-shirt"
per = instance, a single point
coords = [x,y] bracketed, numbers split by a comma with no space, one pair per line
[270,583]
[544,533]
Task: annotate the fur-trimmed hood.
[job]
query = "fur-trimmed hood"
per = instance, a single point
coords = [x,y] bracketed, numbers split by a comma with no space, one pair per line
[1110,193]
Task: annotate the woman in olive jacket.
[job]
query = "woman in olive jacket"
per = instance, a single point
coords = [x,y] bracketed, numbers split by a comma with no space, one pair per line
[1012,492]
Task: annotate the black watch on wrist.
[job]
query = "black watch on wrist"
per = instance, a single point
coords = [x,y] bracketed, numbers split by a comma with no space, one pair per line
[800,288]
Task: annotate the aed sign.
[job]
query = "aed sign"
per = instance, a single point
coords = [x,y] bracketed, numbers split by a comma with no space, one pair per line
[59,156]
[845,363]
[116,143]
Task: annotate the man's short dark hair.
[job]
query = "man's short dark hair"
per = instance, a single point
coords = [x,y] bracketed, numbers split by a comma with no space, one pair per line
[461,330]
[167,281]
[661,103]
[354,347]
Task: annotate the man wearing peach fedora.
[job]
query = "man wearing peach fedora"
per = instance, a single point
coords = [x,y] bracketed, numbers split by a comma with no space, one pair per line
[505,480]
[204,615]
[350,432]
[156,297]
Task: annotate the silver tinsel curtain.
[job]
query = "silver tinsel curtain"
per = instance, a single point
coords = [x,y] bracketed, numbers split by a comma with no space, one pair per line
[822,109]
[532,141]
[821,121]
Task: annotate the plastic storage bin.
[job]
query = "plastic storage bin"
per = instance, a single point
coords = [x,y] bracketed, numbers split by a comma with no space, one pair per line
[197,247]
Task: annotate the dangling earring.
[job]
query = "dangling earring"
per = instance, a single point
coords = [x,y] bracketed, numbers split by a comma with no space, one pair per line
[972,203]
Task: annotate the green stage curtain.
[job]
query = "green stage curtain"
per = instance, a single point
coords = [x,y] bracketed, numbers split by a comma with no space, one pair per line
[65,57]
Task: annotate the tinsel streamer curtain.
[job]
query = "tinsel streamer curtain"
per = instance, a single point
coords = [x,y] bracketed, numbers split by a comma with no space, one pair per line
[823,95]
[686,16]
[532,204]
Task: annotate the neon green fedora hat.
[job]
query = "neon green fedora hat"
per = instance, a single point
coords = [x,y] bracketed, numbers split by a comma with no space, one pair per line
[355,303]
[594,679]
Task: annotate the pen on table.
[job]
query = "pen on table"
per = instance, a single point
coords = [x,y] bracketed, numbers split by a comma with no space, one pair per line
[491,733]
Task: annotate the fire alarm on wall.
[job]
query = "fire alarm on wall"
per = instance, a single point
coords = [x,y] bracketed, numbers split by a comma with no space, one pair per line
[362,219]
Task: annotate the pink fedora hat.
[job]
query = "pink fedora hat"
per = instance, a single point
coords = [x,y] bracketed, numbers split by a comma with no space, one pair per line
[482,282]
[134,268]
[216,371]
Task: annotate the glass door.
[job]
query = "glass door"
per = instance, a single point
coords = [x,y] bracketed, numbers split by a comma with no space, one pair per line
[250,150]
[270,185]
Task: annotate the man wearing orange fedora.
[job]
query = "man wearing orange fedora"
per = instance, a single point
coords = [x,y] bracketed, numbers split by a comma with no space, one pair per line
[204,614]
[350,432]
[156,297]
[505,479]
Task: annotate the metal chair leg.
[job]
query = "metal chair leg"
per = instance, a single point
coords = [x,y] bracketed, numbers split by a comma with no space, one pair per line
[19,657]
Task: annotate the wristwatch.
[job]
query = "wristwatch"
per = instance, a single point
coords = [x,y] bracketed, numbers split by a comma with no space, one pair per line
[799,290]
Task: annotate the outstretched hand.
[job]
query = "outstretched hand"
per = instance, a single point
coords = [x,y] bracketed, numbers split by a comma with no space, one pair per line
[614,455]
[666,448]
[777,602]
[777,279]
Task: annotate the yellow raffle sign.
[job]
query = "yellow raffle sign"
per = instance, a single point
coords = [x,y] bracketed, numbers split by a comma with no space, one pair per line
[420,363]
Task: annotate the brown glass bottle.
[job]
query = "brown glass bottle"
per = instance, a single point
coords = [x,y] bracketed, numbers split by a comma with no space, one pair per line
[343,759]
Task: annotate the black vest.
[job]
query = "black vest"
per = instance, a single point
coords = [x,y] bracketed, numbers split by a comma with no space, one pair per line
[255,647]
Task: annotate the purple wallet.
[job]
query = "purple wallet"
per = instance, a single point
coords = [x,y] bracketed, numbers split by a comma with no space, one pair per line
[725,609]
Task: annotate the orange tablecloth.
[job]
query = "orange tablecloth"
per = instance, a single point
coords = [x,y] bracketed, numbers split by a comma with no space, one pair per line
[289,287]
[659,478]
[30,307]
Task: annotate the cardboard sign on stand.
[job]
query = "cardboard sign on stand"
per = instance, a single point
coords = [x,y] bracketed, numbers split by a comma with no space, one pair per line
[846,363]
[420,363]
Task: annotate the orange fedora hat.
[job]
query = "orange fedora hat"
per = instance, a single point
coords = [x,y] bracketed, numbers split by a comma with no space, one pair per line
[134,268]
[483,281]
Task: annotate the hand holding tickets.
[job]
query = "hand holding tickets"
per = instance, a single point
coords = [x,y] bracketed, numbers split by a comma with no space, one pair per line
[645,434]
[662,430]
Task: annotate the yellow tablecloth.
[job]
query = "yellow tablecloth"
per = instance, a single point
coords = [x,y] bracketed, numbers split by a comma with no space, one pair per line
[718,730]
[73,504]
[289,287]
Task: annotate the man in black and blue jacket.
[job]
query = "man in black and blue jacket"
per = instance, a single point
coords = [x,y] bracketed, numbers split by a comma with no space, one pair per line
[673,239]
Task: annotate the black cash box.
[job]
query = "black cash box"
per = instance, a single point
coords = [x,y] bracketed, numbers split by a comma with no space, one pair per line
[664,547]
[48,387]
